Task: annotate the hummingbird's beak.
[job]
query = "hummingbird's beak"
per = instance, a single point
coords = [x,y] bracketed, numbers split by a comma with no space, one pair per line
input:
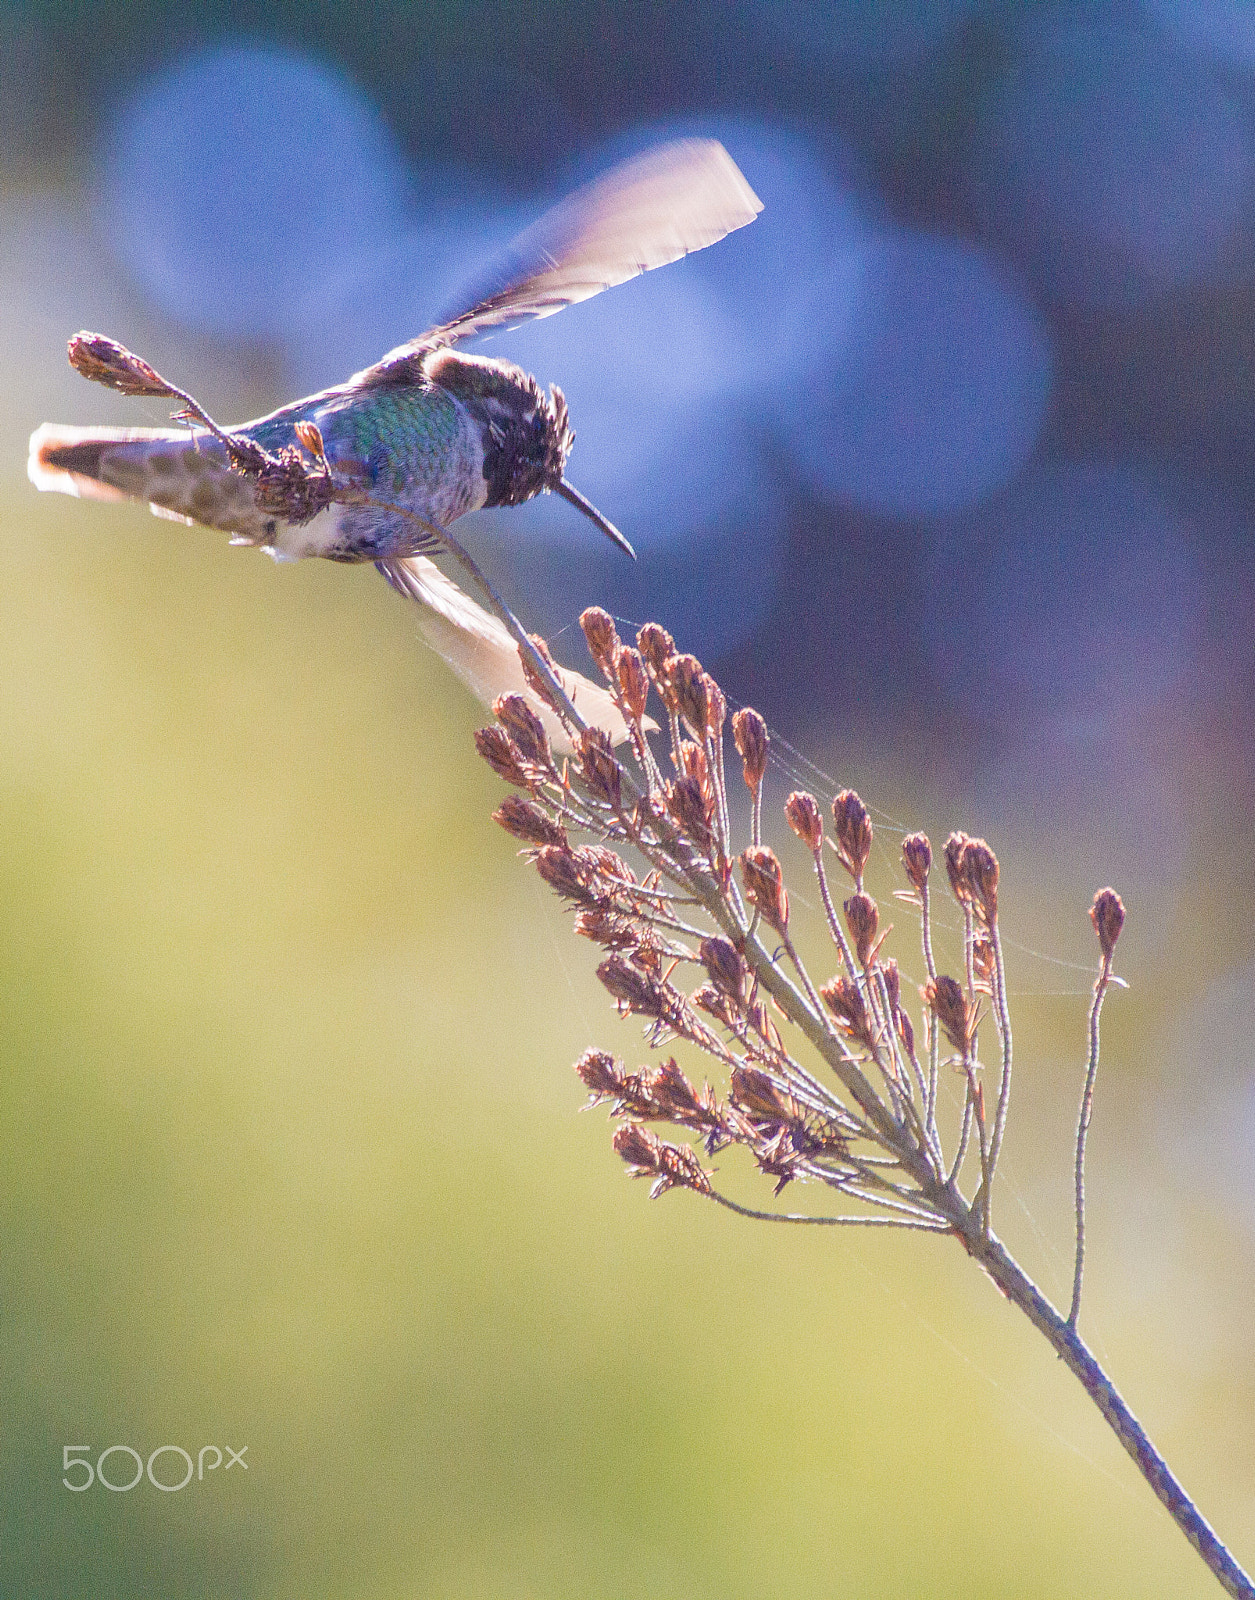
[569,492]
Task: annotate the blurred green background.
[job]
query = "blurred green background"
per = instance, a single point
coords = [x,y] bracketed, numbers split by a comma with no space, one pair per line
[293,1156]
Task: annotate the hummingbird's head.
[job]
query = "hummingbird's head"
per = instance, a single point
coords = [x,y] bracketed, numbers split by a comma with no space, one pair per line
[525,432]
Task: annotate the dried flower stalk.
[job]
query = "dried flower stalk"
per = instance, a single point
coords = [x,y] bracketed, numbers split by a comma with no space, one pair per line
[823,1083]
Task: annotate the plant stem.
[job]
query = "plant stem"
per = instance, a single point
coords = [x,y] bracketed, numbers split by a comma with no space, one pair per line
[1023,1292]
[1082,1128]
[825,1222]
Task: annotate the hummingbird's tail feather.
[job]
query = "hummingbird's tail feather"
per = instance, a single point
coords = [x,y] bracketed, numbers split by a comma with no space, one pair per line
[482,653]
[180,474]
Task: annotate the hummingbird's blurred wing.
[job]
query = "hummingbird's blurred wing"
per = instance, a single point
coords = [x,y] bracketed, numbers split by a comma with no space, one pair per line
[482,653]
[642,214]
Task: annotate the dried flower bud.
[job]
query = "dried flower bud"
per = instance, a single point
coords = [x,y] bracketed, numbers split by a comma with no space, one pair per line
[535,682]
[600,1074]
[106,361]
[600,767]
[674,1099]
[709,999]
[603,638]
[905,1032]
[749,732]
[600,858]
[780,1156]
[725,966]
[607,928]
[1107,915]
[524,727]
[310,435]
[802,813]
[657,647]
[862,917]
[638,1147]
[670,1165]
[972,869]
[957,1018]
[955,846]
[284,485]
[687,681]
[983,963]
[646,958]
[632,989]
[764,883]
[566,873]
[693,763]
[525,820]
[759,1095]
[503,756]
[917,858]
[980,869]
[716,708]
[633,681]
[687,805]
[844,999]
[854,833]
[680,1169]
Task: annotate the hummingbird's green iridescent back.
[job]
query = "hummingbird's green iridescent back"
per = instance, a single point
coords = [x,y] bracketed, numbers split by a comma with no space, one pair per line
[412,443]
[396,435]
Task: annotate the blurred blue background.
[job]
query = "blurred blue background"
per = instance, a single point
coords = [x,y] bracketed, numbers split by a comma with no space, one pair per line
[947,464]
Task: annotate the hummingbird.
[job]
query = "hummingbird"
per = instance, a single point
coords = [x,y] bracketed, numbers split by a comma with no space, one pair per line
[431,427]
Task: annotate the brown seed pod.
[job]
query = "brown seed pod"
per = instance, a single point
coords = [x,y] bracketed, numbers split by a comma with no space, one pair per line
[600,766]
[633,681]
[524,727]
[844,999]
[600,1074]
[955,846]
[104,360]
[802,813]
[958,1019]
[657,648]
[980,868]
[917,858]
[725,966]
[503,756]
[764,883]
[749,732]
[1107,915]
[854,833]
[602,637]
[688,807]
[567,873]
[310,435]
[862,917]
[687,680]
[525,820]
